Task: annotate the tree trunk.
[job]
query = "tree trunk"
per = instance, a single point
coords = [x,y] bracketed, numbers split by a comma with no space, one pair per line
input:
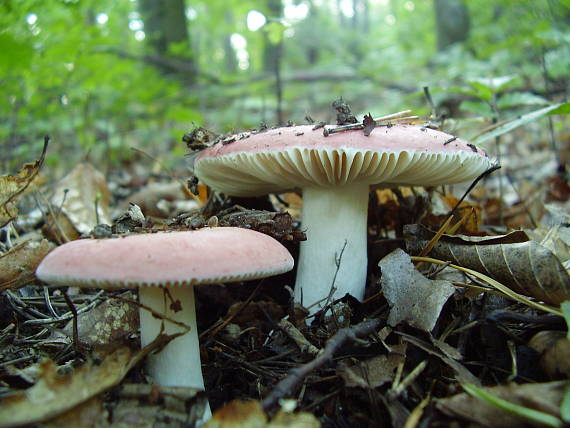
[165,27]
[229,52]
[452,21]
[272,56]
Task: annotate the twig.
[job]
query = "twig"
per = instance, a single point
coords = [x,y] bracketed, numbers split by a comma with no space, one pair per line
[155,314]
[71,306]
[67,315]
[472,185]
[337,261]
[296,375]
[48,302]
[301,341]
[401,117]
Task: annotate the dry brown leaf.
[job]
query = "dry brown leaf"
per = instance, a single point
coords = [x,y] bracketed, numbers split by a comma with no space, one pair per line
[463,375]
[554,350]
[250,414]
[556,239]
[55,393]
[18,265]
[13,187]
[412,297]
[372,373]
[81,191]
[293,204]
[113,321]
[525,266]
[544,397]
[87,415]
[238,414]
[143,405]
[468,210]
[59,228]
[294,420]
[148,197]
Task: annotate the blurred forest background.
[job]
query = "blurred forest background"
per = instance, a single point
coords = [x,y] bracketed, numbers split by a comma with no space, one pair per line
[102,76]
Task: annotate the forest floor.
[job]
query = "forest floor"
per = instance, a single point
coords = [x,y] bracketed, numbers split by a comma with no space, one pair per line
[492,352]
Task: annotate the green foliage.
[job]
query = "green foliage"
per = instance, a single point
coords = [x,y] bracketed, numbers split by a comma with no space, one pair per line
[91,85]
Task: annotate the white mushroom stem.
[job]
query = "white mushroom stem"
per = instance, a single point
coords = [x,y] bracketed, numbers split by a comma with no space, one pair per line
[334,254]
[178,363]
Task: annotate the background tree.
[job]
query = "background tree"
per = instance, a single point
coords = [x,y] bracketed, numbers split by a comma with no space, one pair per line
[166,30]
[452,22]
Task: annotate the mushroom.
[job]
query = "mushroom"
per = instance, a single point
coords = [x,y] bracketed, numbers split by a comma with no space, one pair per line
[334,173]
[165,267]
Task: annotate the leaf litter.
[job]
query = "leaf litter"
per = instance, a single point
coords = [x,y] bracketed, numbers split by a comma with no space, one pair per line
[401,356]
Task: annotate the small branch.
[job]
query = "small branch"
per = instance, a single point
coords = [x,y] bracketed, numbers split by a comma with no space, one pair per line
[296,375]
[77,345]
[301,341]
[328,299]
[399,118]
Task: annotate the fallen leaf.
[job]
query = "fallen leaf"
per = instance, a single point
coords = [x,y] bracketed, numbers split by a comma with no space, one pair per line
[113,321]
[149,196]
[78,193]
[12,187]
[462,374]
[374,372]
[294,420]
[556,239]
[412,297]
[250,414]
[55,393]
[554,350]
[543,397]
[290,202]
[525,266]
[87,415]
[143,405]
[238,414]
[18,265]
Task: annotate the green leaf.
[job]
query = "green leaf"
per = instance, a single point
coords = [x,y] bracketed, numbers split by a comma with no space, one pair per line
[565,308]
[479,108]
[482,91]
[562,109]
[495,84]
[525,412]
[517,99]
[274,31]
[15,54]
[515,123]
[565,405]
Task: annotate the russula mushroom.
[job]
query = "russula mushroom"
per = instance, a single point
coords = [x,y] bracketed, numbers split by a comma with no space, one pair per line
[334,174]
[165,267]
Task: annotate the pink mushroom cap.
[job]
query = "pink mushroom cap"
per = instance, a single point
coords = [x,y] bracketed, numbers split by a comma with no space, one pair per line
[299,156]
[211,255]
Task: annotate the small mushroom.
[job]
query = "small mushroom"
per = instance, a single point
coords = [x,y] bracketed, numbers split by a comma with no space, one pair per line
[335,174]
[165,267]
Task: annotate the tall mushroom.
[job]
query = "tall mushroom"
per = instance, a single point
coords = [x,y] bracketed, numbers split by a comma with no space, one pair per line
[165,267]
[334,173]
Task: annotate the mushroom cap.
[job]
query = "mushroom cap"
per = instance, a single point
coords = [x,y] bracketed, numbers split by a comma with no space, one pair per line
[299,156]
[222,254]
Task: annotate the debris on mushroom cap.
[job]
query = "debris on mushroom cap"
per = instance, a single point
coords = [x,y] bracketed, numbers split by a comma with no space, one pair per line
[223,254]
[296,157]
